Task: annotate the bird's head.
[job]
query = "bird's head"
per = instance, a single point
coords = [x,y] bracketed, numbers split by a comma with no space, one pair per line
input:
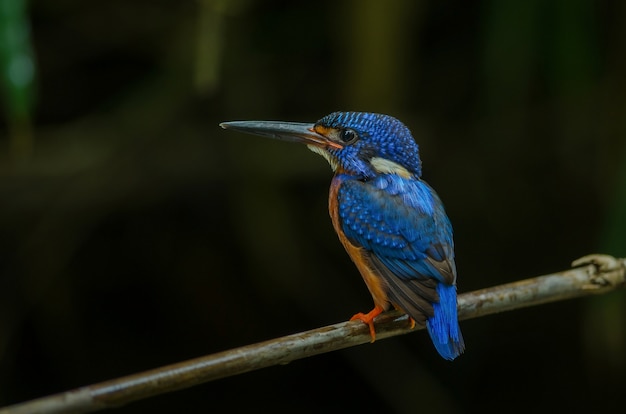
[358,143]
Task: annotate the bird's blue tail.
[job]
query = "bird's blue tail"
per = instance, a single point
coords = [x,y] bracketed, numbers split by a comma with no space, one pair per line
[443,327]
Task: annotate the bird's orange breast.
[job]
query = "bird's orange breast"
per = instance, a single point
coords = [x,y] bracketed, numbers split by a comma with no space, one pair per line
[359,256]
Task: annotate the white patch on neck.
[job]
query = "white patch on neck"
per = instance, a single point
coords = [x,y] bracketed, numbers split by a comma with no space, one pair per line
[321,151]
[385,166]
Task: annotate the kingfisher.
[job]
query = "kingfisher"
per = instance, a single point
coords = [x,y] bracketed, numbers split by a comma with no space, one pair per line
[391,222]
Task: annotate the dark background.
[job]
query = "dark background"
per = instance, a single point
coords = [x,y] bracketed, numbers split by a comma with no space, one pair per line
[135,233]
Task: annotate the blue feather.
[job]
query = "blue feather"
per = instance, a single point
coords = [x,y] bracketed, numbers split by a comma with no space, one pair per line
[443,327]
[401,221]
[398,219]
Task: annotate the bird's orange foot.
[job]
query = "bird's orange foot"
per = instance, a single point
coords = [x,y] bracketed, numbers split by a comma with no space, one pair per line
[411,322]
[368,319]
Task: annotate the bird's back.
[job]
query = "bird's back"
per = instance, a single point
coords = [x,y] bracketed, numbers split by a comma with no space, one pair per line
[398,230]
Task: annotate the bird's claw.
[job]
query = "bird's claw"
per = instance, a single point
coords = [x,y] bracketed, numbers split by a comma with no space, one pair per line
[368,319]
[369,322]
[411,322]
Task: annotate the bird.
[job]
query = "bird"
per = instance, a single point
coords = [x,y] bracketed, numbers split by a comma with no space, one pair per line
[390,221]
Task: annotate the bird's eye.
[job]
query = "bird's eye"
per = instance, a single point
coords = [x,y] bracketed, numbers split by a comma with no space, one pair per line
[348,136]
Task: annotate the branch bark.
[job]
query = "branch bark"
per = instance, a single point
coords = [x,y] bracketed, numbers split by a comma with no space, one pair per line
[598,274]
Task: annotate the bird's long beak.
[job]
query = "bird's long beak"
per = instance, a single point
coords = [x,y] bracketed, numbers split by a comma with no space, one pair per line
[285,131]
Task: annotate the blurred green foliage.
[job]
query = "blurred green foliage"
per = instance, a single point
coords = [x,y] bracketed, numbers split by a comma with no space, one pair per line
[17,70]
[135,233]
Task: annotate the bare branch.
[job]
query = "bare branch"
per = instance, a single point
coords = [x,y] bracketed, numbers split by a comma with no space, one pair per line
[600,274]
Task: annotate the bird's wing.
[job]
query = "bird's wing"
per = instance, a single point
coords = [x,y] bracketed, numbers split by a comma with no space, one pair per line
[402,226]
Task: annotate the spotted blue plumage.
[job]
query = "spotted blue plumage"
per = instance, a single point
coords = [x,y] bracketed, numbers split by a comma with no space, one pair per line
[402,223]
[398,219]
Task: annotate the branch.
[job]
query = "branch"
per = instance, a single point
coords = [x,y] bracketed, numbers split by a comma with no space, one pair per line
[598,274]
